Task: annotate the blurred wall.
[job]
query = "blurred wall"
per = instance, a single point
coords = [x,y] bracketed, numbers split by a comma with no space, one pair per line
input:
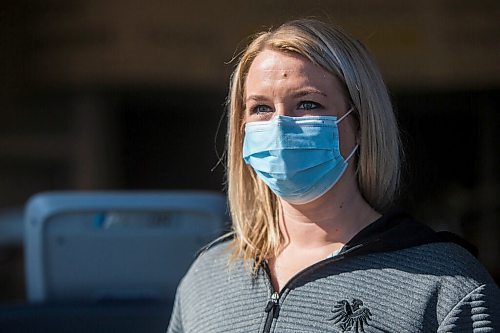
[130,94]
[438,43]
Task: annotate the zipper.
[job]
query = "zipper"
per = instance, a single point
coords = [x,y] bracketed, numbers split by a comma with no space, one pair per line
[273,307]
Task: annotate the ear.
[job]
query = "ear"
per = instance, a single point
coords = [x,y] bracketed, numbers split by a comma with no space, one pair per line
[357,124]
[358,137]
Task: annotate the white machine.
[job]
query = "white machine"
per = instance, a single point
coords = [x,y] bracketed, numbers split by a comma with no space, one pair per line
[91,246]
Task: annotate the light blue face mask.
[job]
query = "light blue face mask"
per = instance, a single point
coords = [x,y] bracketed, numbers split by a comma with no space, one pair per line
[297,157]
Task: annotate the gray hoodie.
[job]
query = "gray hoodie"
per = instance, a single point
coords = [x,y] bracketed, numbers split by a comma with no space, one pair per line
[396,275]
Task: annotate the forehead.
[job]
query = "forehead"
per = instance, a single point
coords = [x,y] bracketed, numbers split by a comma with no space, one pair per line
[276,67]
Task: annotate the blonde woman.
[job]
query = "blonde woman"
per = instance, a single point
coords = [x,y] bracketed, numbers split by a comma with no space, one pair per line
[313,166]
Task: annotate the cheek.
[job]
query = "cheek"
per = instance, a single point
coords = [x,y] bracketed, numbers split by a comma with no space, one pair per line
[241,128]
[347,137]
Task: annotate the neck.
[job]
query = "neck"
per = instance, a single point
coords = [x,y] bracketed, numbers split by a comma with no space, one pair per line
[328,222]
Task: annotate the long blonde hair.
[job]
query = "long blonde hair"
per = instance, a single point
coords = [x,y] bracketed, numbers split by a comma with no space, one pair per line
[253,206]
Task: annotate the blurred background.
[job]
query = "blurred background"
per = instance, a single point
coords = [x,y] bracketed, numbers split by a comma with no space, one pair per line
[129,94]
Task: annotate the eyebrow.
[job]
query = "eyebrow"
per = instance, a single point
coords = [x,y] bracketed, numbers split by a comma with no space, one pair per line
[297,94]
[308,91]
[256,97]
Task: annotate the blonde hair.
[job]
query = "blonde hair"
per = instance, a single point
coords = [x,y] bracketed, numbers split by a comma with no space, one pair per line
[253,206]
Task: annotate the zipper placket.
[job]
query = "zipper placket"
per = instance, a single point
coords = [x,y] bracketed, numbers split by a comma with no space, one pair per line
[273,306]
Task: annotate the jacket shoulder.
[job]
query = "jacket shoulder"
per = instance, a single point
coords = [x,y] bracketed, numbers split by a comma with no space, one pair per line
[211,268]
[449,260]
[211,259]
[466,294]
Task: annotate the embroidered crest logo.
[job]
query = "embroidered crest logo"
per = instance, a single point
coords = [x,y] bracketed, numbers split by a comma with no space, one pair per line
[351,318]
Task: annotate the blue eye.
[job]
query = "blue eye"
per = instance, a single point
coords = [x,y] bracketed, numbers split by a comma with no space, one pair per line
[261,109]
[308,105]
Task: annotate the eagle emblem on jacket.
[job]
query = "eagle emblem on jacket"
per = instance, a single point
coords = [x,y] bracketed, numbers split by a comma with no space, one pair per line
[351,317]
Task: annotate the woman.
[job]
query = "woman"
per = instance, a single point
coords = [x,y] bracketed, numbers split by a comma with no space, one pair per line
[313,161]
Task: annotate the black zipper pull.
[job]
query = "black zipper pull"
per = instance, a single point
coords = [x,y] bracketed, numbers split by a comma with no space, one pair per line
[272,309]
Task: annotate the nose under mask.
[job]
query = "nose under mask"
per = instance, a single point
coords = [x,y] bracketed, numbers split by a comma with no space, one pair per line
[297,157]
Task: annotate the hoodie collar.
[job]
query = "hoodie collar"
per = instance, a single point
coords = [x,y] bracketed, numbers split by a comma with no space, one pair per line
[398,230]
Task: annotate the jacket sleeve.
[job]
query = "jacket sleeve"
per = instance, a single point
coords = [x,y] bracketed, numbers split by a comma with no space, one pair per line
[175,325]
[478,312]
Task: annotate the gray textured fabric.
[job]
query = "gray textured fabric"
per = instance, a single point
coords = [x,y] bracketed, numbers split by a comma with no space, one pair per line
[437,287]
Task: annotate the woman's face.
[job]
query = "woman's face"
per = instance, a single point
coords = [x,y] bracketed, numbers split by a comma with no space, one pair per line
[289,85]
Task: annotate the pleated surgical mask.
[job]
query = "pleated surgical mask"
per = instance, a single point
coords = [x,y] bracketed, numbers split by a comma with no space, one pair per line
[297,157]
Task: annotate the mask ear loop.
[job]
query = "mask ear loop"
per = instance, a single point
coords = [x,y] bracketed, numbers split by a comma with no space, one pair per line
[357,145]
[345,115]
[352,152]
